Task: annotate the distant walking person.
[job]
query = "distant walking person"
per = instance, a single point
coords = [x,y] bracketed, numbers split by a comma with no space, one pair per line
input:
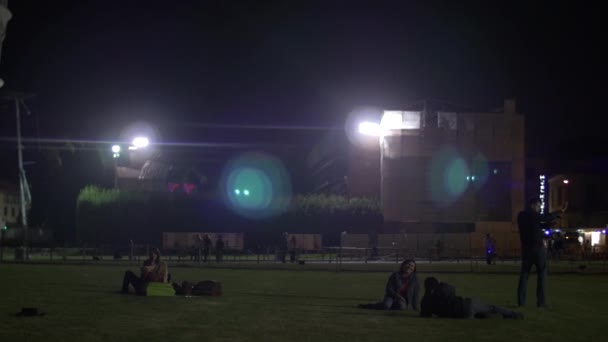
[219,250]
[206,246]
[284,247]
[292,249]
[198,247]
[533,252]
[490,249]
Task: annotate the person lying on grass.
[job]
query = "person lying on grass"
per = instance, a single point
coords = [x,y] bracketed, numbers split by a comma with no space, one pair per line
[440,300]
[153,270]
[401,289]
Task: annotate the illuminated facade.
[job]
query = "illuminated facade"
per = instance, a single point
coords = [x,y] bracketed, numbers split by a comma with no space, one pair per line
[440,171]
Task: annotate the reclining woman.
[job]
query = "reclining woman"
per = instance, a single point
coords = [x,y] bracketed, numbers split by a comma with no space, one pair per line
[401,290]
[153,270]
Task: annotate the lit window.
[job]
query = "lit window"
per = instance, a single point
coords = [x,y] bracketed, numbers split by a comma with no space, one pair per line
[595,238]
[411,120]
[395,120]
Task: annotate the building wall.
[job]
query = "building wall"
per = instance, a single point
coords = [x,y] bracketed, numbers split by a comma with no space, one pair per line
[409,180]
[424,171]
[363,171]
[9,207]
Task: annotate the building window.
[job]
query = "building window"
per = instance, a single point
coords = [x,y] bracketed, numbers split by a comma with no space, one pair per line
[5,211]
[447,120]
[13,212]
[397,120]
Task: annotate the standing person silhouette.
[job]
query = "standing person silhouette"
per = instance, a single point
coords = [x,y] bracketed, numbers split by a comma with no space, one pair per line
[533,252]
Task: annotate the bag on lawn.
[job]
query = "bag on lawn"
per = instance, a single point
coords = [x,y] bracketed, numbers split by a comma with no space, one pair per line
[207,288]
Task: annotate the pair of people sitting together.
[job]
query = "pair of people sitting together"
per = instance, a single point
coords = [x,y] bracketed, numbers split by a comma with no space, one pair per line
[439,299]
[153,270]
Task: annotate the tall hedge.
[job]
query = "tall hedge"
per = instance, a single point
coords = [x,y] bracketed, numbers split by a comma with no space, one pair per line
[108,216]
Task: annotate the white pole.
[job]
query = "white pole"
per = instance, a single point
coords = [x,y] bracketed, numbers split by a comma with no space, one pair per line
[22,179]
[382,174]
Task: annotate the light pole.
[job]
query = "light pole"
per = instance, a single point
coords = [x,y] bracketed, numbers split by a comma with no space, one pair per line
[566,191]
[24,188]
[115,155]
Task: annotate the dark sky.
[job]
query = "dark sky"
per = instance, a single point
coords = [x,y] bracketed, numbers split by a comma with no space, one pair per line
[96,66]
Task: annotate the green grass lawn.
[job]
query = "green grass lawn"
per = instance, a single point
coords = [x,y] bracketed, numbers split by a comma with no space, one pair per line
[82,303]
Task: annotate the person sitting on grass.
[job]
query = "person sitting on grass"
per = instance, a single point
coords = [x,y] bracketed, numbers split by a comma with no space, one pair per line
[153,270]
[401,289]
[440,300]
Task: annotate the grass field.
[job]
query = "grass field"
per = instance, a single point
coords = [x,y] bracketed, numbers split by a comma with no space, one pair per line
[82,303]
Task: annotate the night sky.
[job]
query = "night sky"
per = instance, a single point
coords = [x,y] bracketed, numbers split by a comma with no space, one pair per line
[96,66]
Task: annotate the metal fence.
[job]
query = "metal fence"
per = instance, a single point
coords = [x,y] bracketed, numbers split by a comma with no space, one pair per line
[328,257]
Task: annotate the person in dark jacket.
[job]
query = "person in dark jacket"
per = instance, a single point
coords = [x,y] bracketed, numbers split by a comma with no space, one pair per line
[219,250]
[490,249]
[206,246]
[401,289]
[533,251]
[440,300]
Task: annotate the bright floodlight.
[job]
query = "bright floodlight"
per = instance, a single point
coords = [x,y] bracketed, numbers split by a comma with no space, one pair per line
[370,128]
[115,148]
[140,142]
[392,119]
[566,181]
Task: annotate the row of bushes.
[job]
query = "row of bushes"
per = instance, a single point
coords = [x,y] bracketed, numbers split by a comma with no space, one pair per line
[113,216]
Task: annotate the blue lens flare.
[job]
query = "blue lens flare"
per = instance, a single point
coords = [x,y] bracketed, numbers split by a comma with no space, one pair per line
[256,185]
[449,177]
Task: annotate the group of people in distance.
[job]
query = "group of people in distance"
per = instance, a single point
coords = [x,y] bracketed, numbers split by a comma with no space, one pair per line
[440,298]
[203,246]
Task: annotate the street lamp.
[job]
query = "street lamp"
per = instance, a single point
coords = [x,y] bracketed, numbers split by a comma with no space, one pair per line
[141,142]
[115,151]
[376,130]
[115,155]
[370,128]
